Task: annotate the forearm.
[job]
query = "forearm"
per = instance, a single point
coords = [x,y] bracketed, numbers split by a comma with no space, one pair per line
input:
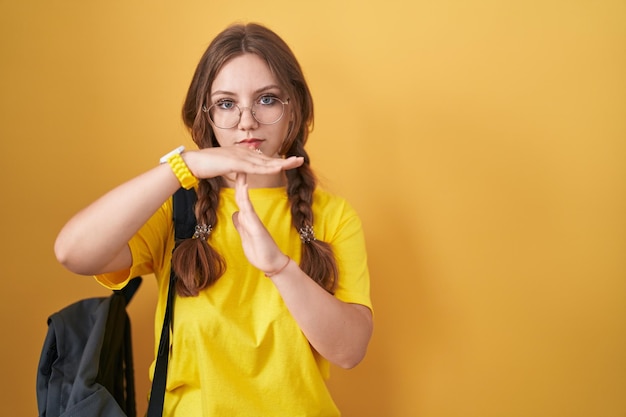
[338,331]
[94,240]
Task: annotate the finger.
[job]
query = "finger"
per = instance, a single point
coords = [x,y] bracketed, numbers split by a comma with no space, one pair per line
[240,228]
[259,158]
[241,192]
[293,162]
[241,179]
[241,186]
[236,220]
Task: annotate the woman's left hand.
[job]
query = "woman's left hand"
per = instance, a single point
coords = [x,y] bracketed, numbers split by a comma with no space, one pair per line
[258,245]
[339,331]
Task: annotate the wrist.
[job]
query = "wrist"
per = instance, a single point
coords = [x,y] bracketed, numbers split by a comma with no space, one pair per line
[179,168]
[279,270]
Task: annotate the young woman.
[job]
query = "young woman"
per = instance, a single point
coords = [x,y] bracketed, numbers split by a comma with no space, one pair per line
[274,284]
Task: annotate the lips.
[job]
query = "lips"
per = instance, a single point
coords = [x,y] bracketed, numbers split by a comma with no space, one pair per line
[251,143]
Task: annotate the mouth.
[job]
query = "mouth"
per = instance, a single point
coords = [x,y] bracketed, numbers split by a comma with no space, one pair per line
[250,143]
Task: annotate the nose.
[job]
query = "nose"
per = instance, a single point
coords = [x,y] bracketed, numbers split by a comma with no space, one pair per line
[246,119]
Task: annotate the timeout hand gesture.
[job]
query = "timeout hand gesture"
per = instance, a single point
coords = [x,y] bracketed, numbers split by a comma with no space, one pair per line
[222,161]
[258,245]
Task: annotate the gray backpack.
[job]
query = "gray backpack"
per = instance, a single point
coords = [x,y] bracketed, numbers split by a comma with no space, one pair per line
[86,364]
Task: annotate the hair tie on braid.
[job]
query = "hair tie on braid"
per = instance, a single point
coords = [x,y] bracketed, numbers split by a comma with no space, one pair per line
[202,231]
[306,234]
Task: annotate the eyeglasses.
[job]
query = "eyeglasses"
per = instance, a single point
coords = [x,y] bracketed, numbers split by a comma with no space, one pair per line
[225,114]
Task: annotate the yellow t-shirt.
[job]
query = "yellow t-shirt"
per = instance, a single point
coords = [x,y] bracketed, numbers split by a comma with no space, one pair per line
[236,350]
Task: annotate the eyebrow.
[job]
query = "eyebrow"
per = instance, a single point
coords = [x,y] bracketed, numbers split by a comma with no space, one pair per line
[258,91]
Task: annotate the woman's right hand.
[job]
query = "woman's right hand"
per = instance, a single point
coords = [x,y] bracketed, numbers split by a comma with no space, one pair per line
[225,161]
[95,240]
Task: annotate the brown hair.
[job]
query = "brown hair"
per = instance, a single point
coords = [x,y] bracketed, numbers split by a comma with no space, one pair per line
[196,262]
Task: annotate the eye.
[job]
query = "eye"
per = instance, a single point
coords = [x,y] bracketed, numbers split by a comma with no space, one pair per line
[225,104]
[267,100]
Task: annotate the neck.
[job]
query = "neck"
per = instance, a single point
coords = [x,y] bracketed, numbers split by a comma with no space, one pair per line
[259,181]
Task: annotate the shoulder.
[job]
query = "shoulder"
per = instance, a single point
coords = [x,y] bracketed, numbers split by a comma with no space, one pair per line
[324,198]
[334,215]
[326,201]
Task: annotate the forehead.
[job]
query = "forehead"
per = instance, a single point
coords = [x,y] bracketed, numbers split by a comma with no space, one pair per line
[244,74]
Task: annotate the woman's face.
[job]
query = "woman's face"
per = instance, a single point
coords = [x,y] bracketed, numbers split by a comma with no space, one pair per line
[244,82]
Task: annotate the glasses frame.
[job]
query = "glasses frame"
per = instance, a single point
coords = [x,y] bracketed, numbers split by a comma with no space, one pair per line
[206,110]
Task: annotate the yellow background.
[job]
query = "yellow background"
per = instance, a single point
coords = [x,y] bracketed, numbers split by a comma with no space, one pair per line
[482,142]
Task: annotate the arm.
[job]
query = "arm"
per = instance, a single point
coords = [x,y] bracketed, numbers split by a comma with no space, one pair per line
[339,331]
[95,240]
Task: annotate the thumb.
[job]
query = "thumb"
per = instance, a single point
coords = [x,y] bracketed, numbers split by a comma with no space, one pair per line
[236,219]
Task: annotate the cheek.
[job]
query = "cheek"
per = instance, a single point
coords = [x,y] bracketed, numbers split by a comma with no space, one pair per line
[284,133]
[287,141]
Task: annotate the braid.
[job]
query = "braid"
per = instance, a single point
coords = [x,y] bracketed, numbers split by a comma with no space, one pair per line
[317,259]
[196,263]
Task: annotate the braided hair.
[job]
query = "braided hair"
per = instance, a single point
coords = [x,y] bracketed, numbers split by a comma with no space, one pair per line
[195,261]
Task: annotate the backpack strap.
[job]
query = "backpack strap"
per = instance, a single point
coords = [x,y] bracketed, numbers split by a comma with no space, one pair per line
[184,226]
[130,289]
[127,380]
[115,362]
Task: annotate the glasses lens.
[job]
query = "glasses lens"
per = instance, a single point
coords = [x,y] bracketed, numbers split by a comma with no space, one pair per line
[224,115]
[267,110]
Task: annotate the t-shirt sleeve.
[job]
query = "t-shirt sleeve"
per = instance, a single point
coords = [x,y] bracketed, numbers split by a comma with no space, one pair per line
[348,243]
[147,248]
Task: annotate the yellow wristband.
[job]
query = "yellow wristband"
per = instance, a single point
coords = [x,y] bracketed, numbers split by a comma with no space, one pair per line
[182,172]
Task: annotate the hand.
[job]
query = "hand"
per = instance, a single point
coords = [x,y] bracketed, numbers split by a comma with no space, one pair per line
[258,245]
[219,161]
